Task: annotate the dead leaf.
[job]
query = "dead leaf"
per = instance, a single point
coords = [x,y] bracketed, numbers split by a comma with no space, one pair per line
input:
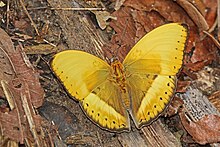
[169,10]
[206,130]
[147,15]
[124,22]
[174,106]
[17,123]
[2,4]
[7,71]
[204,51]
[40,49]
[215,99]
[182,85]
[199,5]
[197,65]
[23,90]
[211,9]
[22,24]
[193,12]
[26,72]
[137,18]
[102,17]
[118,4]
[207,81]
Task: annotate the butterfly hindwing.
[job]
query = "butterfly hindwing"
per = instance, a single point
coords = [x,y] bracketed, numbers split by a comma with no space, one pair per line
[86,78]
[150,94]
[104,106]
[151,67]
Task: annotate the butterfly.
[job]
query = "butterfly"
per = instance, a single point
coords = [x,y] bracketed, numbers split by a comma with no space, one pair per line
[139,88]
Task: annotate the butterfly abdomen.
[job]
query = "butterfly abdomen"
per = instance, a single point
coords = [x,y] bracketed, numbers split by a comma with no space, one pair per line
[118,78]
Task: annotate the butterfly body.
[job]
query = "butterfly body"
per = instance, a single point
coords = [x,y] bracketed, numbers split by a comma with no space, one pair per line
[119,78]
[141,86]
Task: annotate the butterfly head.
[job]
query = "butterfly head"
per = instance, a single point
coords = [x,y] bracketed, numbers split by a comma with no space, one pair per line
[117,67]
[114,60]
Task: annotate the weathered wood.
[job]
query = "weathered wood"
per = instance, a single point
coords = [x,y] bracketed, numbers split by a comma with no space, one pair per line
[159,135]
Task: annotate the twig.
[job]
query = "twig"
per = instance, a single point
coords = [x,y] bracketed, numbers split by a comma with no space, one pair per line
[7,14]
[9,59]
[70,9]
[99,139]
[80,9]
[212,28]
[213,39]
[218,19]
[32,22]
[8,94]
[29,116]
[194,14]
[49,43]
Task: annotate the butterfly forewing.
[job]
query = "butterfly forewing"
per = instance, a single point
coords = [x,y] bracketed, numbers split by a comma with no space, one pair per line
[159,52]
[79,72]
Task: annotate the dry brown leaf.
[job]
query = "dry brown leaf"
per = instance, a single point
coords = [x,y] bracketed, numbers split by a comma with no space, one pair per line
[214,98]
[169,10]
[118,4]
[102,17]
[40,49]
[197,115]
[199,5]
[207,80]
[174,106]
[23,25]
[124,26]
[211,9]
[137,18]
[206,130]
[14,123]
[197,65]
[7,71]
[204,51]
[194,13]
[25,72]
[21,123]
[182,85]
[196,103]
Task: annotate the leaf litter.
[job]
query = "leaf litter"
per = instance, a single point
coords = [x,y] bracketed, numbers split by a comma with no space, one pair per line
[23,92]
[130,20]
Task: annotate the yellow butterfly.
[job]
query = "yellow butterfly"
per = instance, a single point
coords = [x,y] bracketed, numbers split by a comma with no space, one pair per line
[140,87]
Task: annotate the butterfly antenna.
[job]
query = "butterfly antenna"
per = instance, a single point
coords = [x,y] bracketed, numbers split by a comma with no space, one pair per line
[123,34]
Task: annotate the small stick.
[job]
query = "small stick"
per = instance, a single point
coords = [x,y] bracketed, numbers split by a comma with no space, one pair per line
[213,39]
[80,9]
[218,19]
[32,22]
[7,14]
[69,9]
